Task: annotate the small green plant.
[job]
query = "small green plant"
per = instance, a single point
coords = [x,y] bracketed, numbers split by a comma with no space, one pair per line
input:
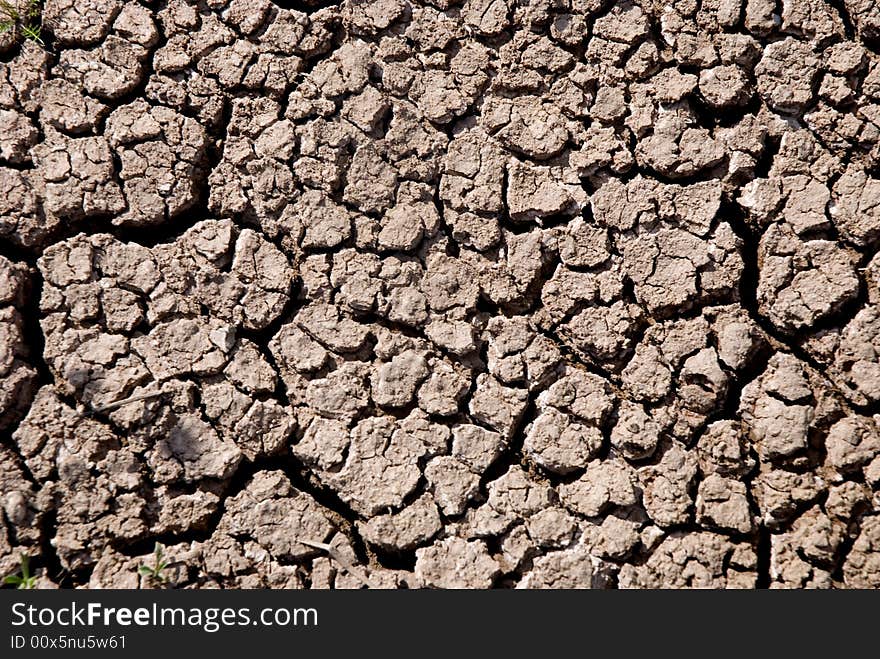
[155,572]
[22,18]
[24,580]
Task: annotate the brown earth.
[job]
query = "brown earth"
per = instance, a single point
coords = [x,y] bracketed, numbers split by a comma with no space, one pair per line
[481,293]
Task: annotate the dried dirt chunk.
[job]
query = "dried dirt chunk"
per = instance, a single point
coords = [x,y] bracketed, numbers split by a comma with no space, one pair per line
[635,435]
[667,487]
[456,563]
[802,282]
[452,482]
[195,446]
[778,408]
[856,360]
[559,444]
[722,504]
[690,560]
[604,484]
[80,24]
[413,526]
[725,86]
[475,446]
[854,208]
[382,467]
[862,567]
[161,152]
[276,516]
[18,378]
[786,74]
[499,407]
[79,178]
[394,384]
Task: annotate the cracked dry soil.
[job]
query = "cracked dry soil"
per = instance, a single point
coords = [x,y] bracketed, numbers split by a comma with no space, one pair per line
[480,293]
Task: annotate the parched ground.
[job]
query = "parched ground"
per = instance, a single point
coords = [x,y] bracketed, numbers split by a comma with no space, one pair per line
[481,293]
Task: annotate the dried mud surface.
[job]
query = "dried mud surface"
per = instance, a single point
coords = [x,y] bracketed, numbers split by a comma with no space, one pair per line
[481,293]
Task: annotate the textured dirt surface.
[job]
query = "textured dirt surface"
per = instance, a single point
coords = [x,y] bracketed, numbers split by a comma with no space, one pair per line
[481,293]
